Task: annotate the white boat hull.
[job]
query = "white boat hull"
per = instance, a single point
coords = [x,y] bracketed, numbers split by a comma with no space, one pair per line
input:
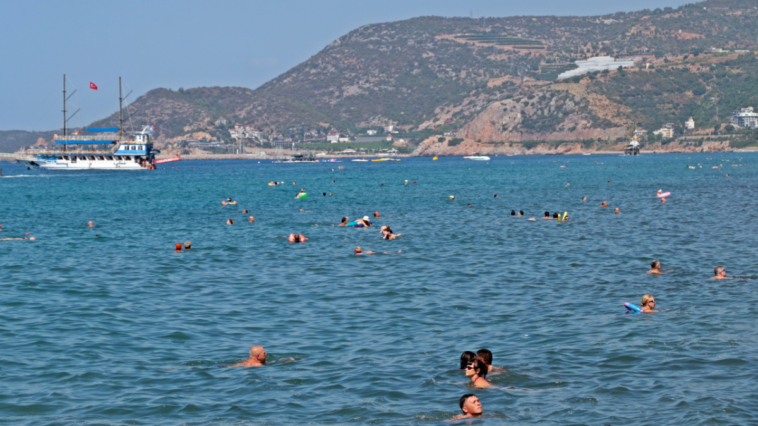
[477,158]
[82,165]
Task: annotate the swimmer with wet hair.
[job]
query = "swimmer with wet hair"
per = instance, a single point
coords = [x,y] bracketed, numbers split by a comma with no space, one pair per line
[476,370]
[257,358]
[547,216]
[584,198]
[387,233]
[521,213]
[376,214]
[344,221]
[90,224]
[655,267]
[617,211]
[466,358]
[252,219]
[471,407]
[230,221]
[513,212]
[604,204]
[244,211]
[556,215]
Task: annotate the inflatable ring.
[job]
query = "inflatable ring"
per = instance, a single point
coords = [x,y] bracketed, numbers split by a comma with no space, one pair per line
[664,195]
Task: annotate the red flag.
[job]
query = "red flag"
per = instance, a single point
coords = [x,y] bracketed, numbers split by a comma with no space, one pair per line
[92,86]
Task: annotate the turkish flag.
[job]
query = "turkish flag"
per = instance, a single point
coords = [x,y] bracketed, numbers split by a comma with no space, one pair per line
[92,86]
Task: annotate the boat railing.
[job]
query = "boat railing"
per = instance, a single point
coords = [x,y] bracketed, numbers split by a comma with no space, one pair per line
[89,138]
[72,151]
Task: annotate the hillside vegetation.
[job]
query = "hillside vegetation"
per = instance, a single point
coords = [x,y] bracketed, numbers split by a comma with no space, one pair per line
[496,77]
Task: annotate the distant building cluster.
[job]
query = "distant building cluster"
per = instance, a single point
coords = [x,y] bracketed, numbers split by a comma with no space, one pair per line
[667,131]
[598,63]
[744,118]
[245,132]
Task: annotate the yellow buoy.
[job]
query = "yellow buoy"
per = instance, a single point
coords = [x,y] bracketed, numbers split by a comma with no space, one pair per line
[434,159]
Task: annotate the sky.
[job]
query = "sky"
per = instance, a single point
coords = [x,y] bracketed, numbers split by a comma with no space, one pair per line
[191,43]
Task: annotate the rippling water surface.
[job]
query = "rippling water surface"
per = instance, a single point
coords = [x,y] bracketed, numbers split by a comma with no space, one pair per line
[120,329]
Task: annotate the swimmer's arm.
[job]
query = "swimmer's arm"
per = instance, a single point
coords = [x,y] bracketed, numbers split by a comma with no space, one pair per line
[398,252]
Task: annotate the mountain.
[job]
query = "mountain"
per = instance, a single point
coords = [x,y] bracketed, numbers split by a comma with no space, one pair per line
[493,79]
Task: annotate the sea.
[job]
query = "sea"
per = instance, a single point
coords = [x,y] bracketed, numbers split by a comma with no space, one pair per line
[109,325]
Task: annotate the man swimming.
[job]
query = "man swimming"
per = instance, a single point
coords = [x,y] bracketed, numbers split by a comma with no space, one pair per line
[470,406]
[617,211]
[485,355]
[604,204]
[257,358]
[719,273]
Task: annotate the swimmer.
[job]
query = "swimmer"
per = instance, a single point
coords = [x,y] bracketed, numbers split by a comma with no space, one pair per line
[727,175]
[382,185]
[244,211]
[333,181]
[513,212]
[648,304]
[257,358]
[604,204]
[296,238]
[584,198]
[468,205]
[306,211]
[495,195]
[294,183]
[387,233]
[521,213]
[376,214]
[365,221]
[252,219]
[609,182]
[302,192]
[466,358]
[414,182]
[359,251]
[663,201]
[470,406]
[531,219]
[617,211]
[452,198]
[476,370]
[331,193]
[660,191]
[655,268]
[178,247]
[565,218]
[324,194]
[485,355]
[568,184]
[18,239]
[406,182]
[90,224]
[547,216]
[719,273]
[187,245]
[344,221]
[230,221]
[556,215]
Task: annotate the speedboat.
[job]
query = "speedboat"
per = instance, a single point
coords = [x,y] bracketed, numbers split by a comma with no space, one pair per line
[477,157]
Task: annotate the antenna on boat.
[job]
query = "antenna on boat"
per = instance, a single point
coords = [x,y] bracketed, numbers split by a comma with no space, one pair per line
[120,113]
[64,114]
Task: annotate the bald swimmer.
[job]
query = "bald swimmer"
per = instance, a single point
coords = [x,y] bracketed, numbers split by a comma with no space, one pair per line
[257,358]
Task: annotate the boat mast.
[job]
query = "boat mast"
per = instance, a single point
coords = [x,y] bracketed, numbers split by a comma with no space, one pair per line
[64,115]
[120,113]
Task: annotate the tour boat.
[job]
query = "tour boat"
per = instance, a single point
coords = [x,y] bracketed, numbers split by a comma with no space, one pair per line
[477,157]
[102,149]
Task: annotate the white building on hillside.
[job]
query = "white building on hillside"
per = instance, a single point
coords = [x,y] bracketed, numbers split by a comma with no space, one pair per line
[744,118]
[598,63]
[689,124]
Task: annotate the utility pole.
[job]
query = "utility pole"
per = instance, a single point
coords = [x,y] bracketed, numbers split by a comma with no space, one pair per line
[120,113]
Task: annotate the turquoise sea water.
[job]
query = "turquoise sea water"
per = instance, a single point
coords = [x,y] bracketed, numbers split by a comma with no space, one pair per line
[120,329]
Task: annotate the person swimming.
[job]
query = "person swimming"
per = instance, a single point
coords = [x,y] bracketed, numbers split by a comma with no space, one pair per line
[617,211]
[387,233]
[470,406]
[648,304]
[466,358]
[604,204]
[556,215]
[584,198]
[485,355]
[376,214]
[547,216]
[521,213]
[476,370]
[297,238]
[344,221]
[257,358]
[359,251]
[655,267]
[719,273]
[513,212]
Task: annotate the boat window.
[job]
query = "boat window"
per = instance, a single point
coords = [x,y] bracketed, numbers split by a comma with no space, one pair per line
[73,158]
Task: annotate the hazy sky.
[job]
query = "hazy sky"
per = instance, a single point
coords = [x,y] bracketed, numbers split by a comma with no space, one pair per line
[188,43]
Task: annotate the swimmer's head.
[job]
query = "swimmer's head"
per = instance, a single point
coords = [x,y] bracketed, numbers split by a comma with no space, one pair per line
[244,211]
[719,270]
[466,358]
[520,212]
[660,191]
[376,214]
[495,195]
[90,224]
[513,212]
[32,238]
[555,215]
[656,264]
[470,405]
[584,198]
[230,221]
[252,218]
[358,250]
[258,353]
[187,245]
[648,298]
[485,355]
[476,366]
[547,214]
[366,218]
[178,247]
[344,219]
